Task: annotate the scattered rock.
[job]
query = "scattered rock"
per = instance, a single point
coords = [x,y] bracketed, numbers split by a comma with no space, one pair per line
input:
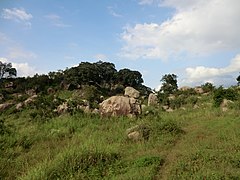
[31,92]
[224,109]
[165,107]
[135,136]
[195,106]
[171,97]
[19,106]
[62,108]
[131,92]
[120,106]
[199,90]
[5,106]
[169,110]
[138,132]
[183,108]
[95,111]
[9,85]
[50,91]
[225,104]
[184,88]
[152,100]
[30,100]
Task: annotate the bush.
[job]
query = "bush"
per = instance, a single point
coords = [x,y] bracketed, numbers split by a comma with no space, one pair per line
[220,94]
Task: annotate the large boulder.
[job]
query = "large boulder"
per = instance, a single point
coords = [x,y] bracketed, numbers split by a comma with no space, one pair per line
[152,99]
[131,92]
[120,106]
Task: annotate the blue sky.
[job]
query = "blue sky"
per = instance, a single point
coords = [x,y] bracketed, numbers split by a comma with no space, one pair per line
[197,40]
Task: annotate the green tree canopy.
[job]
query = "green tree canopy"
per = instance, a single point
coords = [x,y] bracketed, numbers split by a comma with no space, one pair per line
[6,70]
[238,79]
[169,84]
[128,77]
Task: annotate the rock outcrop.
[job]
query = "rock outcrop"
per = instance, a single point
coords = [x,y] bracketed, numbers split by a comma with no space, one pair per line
[152,99]
[131,92]
[120,106]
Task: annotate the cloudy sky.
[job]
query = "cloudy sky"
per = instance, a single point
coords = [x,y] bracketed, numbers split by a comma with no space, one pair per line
[198,40]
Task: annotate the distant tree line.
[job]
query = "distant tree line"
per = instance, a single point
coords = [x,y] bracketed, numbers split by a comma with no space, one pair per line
[102,75]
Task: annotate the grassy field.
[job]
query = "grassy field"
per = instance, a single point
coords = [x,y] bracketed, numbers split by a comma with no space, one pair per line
[198,143]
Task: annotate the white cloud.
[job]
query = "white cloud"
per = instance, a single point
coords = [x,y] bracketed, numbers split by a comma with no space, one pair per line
[23,69]
[56,21]
[198,27]
[201,74]
[18,15]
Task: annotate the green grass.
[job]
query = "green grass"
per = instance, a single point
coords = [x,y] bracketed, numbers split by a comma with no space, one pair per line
[185,144]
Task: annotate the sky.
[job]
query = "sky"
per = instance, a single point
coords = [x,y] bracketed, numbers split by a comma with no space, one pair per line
[198,40]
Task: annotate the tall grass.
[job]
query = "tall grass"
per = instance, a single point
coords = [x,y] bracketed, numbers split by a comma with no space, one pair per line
[185,144]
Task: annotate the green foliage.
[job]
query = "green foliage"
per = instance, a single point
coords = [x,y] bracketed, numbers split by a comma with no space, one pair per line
[169,126]
[6,70]
[169,84]
[43,107]
[127,77]
[238,80]
[3,128]
[220,94]
[208,87]
[149,160]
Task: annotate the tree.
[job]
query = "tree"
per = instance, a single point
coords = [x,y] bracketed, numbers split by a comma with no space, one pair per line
[169,84]
[6,70]
[238,80]
[208,87]
[128,77]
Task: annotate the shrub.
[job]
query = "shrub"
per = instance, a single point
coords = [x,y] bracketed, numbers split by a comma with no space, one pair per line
[221,93]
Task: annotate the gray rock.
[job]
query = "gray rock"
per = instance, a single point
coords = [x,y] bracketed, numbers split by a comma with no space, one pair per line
[184,88]
[31,92]
[19,106]
[120,106]
[199,90]
[131,92]
[152,99]
[30,100]
[4,106]
[62,108]
[138,132]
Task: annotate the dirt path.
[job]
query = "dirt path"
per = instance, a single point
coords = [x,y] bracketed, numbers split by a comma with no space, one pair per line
[174,153]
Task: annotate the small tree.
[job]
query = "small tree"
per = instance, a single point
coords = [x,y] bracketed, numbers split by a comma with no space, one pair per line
[6,70]
[169,84]
[238,80]
[208,87]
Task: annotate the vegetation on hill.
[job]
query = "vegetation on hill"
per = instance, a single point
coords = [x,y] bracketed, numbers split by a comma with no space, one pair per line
[195,140]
